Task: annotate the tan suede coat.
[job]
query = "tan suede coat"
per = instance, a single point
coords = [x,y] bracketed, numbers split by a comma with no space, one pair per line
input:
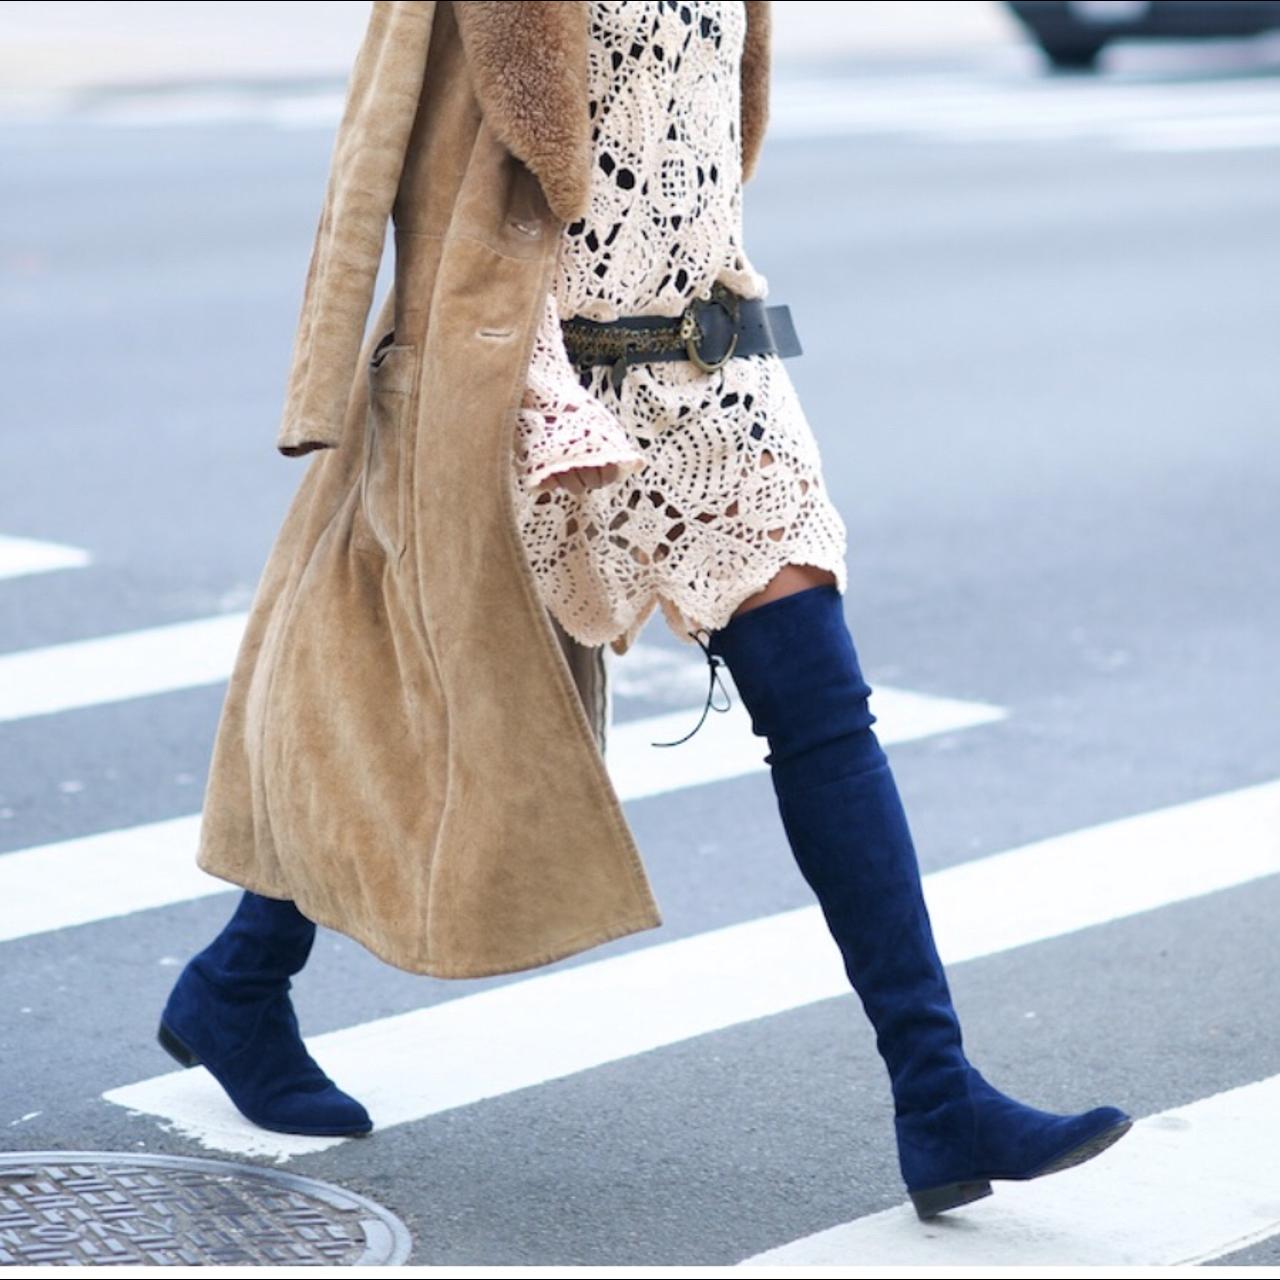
[411,747]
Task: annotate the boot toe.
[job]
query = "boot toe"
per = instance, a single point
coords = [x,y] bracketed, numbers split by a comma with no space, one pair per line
[327,1112]
[951,1155]
[1019,1142]
[1086,1136]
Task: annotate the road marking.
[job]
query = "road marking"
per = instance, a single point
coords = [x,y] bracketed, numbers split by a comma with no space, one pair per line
[99,877]
[319,110]
[1183,1186]
[1133,116]
[724,747]
[21,556]
[115,873]
[526,1032]
[1229,133]
[133,664]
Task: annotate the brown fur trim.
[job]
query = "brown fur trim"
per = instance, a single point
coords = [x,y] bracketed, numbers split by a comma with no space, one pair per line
[755,82]
[528,60]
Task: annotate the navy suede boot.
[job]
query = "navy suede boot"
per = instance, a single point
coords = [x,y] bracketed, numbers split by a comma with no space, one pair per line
[230,1012]
[793,662]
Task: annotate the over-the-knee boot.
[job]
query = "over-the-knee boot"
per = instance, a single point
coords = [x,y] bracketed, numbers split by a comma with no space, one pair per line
[793,662]
[230,1012]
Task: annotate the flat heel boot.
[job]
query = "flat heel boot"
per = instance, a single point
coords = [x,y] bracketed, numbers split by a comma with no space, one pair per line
[230,1012]
[794,665]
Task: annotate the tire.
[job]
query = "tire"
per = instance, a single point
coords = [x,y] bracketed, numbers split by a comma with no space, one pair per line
[1072,55]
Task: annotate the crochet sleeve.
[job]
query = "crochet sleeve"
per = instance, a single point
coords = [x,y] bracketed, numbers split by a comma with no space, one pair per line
[560,424]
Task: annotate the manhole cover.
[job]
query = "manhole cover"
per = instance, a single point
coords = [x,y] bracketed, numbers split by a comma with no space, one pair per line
[95,1207]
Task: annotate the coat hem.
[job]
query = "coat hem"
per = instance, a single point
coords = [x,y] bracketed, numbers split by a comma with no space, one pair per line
[574,945]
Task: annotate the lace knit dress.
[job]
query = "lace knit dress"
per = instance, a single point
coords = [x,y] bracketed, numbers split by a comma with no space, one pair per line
[719,478]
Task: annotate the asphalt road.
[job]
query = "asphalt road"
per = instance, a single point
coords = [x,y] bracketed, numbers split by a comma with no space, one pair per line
[1042,368]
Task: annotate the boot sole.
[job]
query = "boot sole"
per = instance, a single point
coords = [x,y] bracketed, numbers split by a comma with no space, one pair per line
[1089,1148]
[937,1200]
[175,1048]
[179,1051]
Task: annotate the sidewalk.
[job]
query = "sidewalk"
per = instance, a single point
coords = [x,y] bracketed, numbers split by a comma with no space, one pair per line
[51,50]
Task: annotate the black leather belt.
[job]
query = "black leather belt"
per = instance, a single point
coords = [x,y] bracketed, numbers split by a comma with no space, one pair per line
[709,332]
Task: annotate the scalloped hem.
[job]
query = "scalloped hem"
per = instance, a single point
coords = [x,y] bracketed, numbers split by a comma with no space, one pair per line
[682,622]
[681,618]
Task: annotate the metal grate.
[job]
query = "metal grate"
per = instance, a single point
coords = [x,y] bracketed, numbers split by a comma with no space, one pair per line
[88,1208]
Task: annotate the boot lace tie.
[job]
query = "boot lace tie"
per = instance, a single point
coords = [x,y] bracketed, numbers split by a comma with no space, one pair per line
[715,662]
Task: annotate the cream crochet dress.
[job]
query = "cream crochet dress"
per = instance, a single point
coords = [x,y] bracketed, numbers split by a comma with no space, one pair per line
[720,481]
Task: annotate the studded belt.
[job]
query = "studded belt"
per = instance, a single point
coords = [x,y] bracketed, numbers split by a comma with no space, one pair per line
[708,332]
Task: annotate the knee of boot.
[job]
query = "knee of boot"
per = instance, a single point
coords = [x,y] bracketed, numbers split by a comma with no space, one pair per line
[847,750]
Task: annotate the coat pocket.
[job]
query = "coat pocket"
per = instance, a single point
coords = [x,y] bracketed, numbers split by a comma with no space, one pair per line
[387,474]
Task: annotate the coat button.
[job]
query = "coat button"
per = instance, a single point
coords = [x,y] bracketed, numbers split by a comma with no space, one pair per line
[531,227]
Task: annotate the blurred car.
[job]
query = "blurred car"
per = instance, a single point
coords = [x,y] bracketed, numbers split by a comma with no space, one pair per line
[1072,33]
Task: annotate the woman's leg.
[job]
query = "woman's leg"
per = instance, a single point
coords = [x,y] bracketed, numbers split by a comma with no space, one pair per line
[797,673]
[788,580]
[230,1012]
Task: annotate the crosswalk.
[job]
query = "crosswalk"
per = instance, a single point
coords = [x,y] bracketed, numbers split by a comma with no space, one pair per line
[526,1032]
[1238,112]
[1210,1156]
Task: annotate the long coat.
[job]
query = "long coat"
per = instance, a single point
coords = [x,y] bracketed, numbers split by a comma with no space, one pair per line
[411,747]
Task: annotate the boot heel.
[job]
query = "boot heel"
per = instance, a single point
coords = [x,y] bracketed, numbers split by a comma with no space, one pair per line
[175,1048]
[937,1200]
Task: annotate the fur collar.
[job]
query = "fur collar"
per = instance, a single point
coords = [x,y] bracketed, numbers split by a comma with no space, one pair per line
[528,61]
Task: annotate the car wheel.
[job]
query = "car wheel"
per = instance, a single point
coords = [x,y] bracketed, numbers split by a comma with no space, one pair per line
[1072,55]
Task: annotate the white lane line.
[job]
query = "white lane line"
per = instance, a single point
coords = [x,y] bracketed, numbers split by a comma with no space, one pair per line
[524,1033]
[1016,113]
[1228,133]
[99,877]
[115,873]
[1185,1185]
[724,746]
[133,664]
[924,102]
[20,556]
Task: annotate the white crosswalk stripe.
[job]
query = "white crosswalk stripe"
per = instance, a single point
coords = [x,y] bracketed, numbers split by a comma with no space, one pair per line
[724,746]
[21,556]
[99,877]
[1129,115]
[134,664]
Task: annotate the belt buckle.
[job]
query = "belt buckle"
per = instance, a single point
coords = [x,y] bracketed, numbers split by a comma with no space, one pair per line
[691,331]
